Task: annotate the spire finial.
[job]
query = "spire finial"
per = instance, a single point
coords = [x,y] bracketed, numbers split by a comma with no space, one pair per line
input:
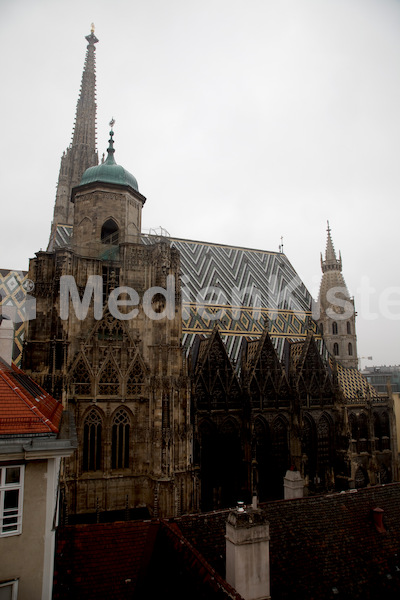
[92,28]
[110,149]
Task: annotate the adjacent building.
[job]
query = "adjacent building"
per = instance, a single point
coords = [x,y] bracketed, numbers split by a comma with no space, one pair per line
[35,435]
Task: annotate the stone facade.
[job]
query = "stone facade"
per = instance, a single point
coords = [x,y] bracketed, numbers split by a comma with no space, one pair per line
[123,377]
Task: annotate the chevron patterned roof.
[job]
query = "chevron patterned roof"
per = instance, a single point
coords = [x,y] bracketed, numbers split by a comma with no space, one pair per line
[239,289]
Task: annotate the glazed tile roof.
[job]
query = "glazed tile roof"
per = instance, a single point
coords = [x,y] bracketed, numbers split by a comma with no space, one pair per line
[355,385]
[25,408]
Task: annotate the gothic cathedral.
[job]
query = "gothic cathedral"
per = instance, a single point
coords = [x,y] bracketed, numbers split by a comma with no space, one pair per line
[180,410]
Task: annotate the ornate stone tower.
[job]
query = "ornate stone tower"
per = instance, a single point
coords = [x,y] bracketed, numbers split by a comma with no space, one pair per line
[107,338]
[81,153]
[337,316]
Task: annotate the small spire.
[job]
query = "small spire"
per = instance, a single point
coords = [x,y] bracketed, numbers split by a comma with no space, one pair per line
[110,150]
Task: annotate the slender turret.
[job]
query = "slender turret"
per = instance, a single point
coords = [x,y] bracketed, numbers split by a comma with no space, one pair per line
[337,319]
[82,153]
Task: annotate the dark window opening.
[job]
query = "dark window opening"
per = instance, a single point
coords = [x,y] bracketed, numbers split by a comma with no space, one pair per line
[110,233]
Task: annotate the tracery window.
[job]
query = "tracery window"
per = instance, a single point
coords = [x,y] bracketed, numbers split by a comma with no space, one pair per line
[120,440]
[135,382]
[109,380]
[81,379]
[92,433]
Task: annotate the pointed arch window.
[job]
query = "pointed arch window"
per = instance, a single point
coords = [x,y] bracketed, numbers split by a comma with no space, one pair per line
[336,349]
[110,233]
[334,328]
[324,444]
[92,433]
[109,380]
[385,431]
[81,379]
[120,440]
[135,382]
[350,347]
[348,327]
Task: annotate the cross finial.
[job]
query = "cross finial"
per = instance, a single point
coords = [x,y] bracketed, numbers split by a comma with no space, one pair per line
[112,122]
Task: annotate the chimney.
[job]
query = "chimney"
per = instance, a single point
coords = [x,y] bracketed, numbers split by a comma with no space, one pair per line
[6,339]
[293,485]
[247,553]
[378,519]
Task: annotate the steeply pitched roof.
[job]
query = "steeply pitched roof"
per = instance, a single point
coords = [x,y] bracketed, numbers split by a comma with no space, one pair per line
[354,384]
[136,559]
[25,408]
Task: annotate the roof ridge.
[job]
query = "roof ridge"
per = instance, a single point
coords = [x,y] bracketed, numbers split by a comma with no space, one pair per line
[215,577]
[24,397]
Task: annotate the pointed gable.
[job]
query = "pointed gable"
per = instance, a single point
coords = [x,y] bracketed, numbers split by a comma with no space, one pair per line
[216,383]
[311,375]
[264,375]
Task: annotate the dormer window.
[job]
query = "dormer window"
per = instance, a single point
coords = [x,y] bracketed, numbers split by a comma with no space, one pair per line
[110,233]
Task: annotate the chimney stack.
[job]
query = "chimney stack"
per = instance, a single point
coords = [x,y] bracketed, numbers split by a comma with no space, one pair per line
[378,519]
[247,553]
[293,485]
[6,339]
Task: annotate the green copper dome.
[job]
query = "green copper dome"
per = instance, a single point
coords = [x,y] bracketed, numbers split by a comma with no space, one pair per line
[109,171]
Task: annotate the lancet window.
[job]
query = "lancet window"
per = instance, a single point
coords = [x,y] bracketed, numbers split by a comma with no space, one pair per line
[120,440]
[92,434]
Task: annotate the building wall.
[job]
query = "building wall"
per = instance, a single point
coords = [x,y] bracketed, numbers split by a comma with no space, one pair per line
[23,556]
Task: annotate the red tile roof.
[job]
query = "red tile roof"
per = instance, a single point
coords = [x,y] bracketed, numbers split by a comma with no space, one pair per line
[103,560]
[25,408]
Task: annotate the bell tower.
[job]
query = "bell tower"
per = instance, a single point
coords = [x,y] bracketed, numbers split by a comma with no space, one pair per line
[108,206]
[337,316]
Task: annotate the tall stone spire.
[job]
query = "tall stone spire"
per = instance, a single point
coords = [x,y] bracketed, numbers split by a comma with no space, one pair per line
[337,317]
[331,263]
[81,153]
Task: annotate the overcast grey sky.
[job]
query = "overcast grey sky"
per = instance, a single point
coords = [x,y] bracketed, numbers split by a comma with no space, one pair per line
[243,121]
